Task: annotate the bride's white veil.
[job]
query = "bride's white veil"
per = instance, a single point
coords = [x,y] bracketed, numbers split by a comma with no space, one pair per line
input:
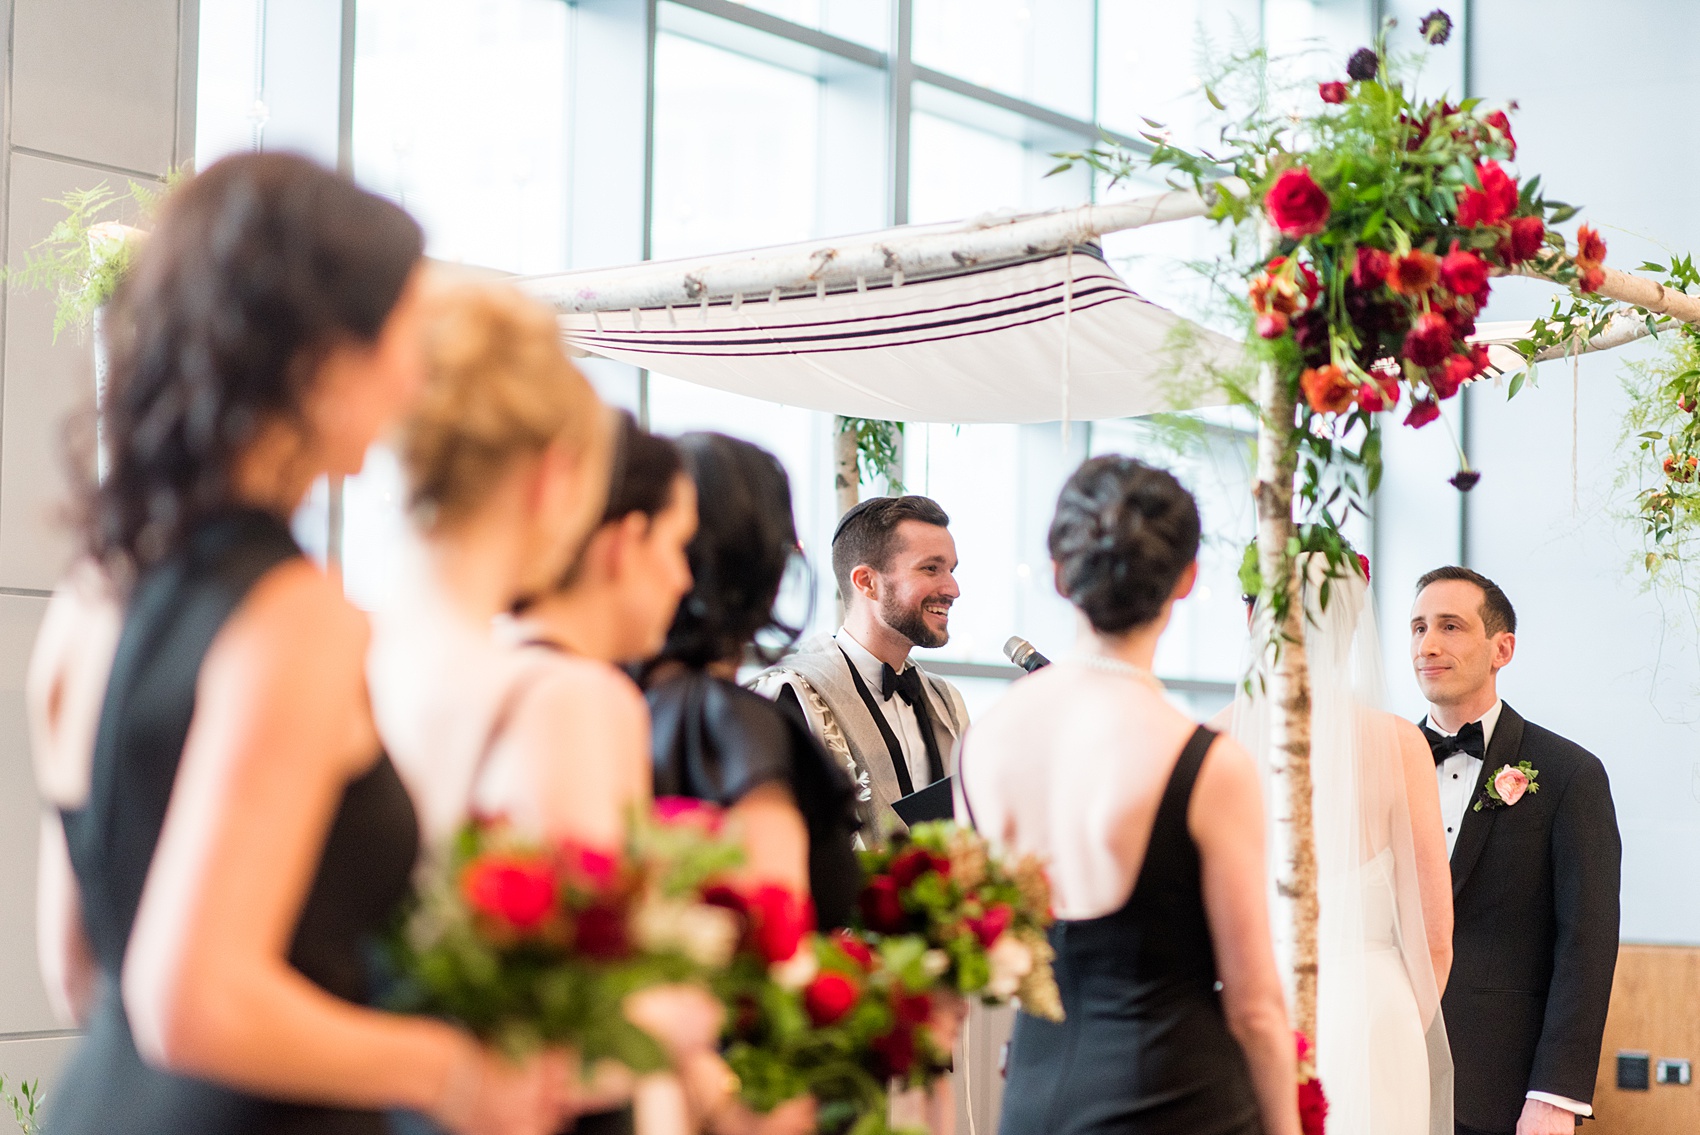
[1370,1067]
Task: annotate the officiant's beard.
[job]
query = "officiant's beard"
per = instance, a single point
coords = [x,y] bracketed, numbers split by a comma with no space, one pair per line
[911,622]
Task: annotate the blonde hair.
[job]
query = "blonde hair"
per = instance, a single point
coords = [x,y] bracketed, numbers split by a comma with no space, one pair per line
[500,389]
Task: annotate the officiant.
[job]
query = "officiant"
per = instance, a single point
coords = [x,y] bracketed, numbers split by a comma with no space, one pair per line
[893,725]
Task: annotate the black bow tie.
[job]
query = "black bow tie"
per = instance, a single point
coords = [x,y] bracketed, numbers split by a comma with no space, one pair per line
[1469,740]
[906,685]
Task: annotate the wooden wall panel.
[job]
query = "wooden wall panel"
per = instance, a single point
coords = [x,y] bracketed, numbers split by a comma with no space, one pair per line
[1655,1008]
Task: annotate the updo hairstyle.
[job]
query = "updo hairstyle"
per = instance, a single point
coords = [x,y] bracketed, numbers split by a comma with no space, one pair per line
[499,389]
[745,540]
[257,269]
[1122,535]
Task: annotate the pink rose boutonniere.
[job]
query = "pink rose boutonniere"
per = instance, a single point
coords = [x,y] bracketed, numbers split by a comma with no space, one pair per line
[1507,786]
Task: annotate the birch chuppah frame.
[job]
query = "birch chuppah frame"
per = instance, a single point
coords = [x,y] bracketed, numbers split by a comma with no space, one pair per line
[1011,319]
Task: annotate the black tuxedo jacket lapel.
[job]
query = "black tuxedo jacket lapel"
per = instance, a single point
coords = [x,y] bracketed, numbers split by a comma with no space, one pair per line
[1473,832]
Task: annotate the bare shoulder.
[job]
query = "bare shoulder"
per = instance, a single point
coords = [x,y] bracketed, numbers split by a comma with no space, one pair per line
[289,669]
[571,691]
[297,601]
[1226,757]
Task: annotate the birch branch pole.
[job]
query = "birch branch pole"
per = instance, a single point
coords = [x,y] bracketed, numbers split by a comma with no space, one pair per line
[1289,684]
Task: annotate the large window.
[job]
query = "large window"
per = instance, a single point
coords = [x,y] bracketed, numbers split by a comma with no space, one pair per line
[532,136]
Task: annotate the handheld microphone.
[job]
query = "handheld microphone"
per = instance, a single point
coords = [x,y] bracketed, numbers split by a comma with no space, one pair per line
[1021,652]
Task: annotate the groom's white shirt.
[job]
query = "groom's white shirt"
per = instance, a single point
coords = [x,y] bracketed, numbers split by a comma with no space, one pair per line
[1459,775]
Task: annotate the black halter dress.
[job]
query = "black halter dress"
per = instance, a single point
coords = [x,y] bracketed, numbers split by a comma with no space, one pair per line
[364,870]
[1145,1049]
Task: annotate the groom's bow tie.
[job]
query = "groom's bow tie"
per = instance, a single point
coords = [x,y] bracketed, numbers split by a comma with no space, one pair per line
[1469,740]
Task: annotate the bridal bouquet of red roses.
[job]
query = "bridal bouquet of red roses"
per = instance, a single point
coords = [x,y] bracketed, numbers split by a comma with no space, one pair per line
[980,920]
[526,943]
[836,1018]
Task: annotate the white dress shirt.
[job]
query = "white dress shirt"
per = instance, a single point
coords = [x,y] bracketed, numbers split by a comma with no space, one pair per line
[1459,776]
[898,713]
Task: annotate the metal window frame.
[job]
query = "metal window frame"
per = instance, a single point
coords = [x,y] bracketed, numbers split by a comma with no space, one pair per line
[903,73]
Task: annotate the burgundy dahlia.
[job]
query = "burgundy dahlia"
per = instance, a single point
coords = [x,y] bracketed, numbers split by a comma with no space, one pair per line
[1436,27]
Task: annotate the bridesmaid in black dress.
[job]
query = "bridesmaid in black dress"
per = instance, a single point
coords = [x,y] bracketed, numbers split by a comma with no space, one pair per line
[1152,828]
[715,740]
[229,833]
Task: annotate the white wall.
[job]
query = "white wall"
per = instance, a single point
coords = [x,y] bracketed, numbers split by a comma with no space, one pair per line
[1598,660]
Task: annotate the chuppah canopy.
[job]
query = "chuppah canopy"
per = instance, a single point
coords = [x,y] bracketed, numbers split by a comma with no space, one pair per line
[1013,319]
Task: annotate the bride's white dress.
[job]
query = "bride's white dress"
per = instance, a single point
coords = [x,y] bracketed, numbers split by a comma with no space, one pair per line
[1398,1053]
[1381,1045]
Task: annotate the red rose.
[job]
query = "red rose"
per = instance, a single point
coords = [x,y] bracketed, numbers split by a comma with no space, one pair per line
[1334,92]
[672,810]
[1527,236]
[602,934]
[1327,389]
[1465,273]
[1313,1107]
[1413,273]
[1296,204]
[1493,202]
[1380,393]
[882,905]
[914,863]
[1462,316]
[778,920]
[1501,123]
[1423,411]
[727,896]
[910,1009]
[1430,340]
[857,949]
[515,891]
[1450,375]
[1271,325]
[893,1054]
[993,923]
[590,868]
[1363,563]
[828,997]
[1370,268]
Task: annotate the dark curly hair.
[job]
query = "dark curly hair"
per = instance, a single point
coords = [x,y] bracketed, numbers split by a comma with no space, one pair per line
[745,540]
[1123,534]
[256,270]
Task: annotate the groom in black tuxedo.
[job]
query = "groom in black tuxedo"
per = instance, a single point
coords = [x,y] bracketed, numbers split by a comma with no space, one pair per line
[1534,875]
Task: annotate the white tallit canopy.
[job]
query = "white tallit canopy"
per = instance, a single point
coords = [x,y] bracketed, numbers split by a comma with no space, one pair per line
[1011,319]
[1055,337]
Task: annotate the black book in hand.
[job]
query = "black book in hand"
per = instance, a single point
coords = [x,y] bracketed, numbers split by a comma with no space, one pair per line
[930,803]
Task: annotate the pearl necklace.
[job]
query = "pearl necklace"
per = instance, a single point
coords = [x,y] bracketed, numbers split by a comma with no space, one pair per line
[1116,666]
